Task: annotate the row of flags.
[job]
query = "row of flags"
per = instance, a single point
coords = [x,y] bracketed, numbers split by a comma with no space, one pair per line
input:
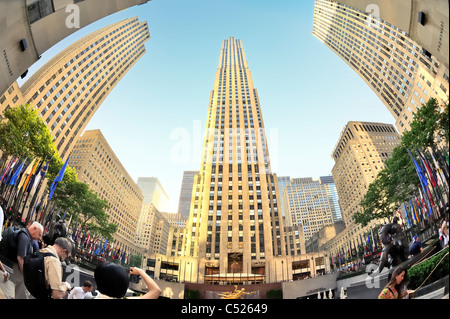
[92,244]
[365,244]
[26,174]
[432,168]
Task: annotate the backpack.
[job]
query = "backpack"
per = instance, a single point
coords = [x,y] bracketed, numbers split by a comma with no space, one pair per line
[34,275]
[9,242]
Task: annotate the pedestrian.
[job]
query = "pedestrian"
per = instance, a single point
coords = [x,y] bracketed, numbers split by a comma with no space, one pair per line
[24,248]
[81,292]
[36,245]
[416,247]
[396,286]
[5,273]
[113,281]
[62,249]
[444,229]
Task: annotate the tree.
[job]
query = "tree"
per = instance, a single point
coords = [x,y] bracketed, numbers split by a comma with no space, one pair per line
[423,127]
[84,205]
[398,180]
[24,134]
[377,201]
[444,124]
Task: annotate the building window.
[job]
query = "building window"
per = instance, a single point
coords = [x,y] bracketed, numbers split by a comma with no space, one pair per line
[39,9]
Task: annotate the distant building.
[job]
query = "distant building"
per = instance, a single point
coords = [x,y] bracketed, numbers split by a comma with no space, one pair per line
[154,193]
[283,181]
[175,219]
[333,196]
[307,204]
[153,229]
[184,202]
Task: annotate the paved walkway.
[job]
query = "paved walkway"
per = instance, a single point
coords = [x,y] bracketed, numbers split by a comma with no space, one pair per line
[6,287]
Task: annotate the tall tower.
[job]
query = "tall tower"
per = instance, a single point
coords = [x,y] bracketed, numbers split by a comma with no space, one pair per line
[69,89]
[184,202]
[235,225]
[29,28]
[400,72]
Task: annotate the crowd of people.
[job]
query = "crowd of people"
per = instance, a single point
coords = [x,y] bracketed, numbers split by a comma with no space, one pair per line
[112,280]
[396,288]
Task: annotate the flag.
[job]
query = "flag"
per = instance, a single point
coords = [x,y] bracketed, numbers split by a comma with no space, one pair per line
[427,168]
[25,173]
[10,171]
[17,173]
[369,245]
[8,168]
[42,173]
[407,217]
[420,174]
[104,247]
[58,178]
[30,174]
[437,167]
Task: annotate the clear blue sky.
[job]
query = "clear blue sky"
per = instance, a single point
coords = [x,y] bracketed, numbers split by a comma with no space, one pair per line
[307,93]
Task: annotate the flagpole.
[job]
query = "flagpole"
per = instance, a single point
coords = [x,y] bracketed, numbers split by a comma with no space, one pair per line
[33,200]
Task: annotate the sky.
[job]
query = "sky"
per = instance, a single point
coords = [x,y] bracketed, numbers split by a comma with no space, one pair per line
[155,117]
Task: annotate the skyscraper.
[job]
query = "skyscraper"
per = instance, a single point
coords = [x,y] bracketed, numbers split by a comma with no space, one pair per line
[184,202]
[333,195]
[154,193]
[283,181]
[426,22]
[235,224]
[29,28]
[307,204]
[68,89]
[400,72]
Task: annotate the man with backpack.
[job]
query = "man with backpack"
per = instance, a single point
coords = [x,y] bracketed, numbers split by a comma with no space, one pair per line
[53,256]
[24,248]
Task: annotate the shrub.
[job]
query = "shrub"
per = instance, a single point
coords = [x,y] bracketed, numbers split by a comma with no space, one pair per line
[274,294]
[191,294]
[418,273]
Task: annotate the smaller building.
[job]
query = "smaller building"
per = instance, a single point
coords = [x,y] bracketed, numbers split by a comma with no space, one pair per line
[98,167]
[316,242]
[154,193]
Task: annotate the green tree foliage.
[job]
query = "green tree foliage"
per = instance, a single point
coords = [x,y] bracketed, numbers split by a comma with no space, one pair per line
[444,124]
[83,204]
[24,134]
[398,180]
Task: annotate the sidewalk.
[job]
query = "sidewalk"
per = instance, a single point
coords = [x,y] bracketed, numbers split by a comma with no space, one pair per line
[7,287]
